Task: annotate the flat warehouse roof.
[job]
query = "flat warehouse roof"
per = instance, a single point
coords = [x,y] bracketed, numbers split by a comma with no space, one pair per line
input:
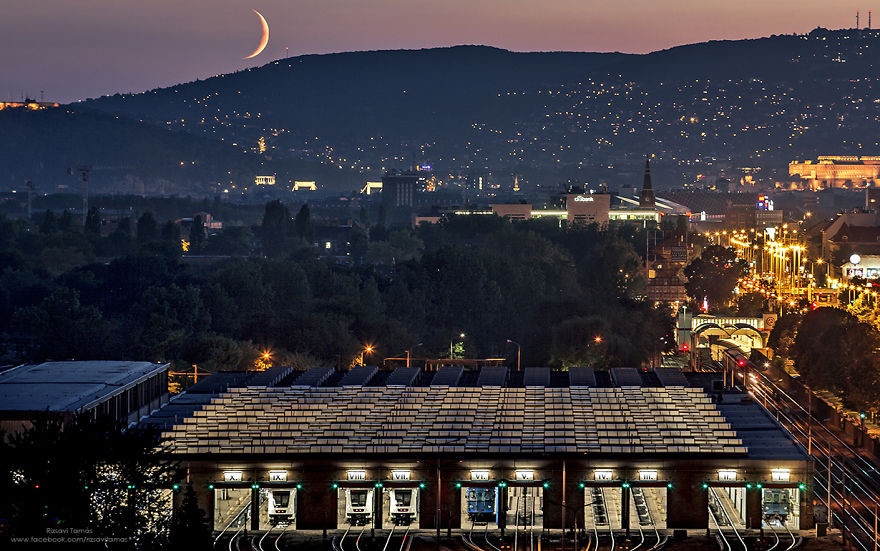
[68,386]
[458,420]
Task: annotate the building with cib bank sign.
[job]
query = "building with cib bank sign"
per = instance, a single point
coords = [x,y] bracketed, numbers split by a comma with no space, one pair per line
[588,208]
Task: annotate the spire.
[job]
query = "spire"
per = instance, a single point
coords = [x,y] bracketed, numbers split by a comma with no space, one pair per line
[646,197]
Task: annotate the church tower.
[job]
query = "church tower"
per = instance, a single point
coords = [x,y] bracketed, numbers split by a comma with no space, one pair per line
[646,197]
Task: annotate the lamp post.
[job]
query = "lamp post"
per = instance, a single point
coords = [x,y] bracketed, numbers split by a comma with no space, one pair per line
[461,335]
[408,350]
[367,350]
[518,350]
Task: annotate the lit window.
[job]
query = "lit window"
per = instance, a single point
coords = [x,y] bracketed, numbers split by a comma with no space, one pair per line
[327,245]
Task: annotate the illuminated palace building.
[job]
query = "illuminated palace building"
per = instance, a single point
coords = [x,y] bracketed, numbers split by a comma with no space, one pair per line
[837,172]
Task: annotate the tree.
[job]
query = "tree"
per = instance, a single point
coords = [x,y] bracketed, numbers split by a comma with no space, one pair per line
[275,228]
[751,305]
[60,327]
[49,223]
[86,473]
[190,529]
[93,221]
[197,234]
[147,229]
[66,220]
[233,241]
[120,239]
[714,275]
[303,223]
[171,232]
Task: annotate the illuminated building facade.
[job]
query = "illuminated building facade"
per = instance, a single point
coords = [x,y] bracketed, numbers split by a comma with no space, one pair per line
[27,104]
[838,171]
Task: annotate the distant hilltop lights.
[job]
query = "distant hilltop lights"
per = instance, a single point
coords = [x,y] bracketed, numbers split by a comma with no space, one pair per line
[28,104]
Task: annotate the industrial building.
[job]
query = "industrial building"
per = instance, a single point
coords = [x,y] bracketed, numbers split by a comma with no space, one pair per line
[451,447]
[124,391]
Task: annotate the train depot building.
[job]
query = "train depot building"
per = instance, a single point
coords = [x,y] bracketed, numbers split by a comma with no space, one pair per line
[434,450]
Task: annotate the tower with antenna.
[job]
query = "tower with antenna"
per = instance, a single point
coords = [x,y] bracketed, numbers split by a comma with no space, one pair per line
[857,20]
[869,20]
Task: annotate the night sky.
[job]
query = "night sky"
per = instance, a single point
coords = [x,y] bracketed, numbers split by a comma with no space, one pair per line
[75,49]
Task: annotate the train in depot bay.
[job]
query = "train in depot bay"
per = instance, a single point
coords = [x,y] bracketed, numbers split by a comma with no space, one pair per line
[282,507]
[482,504]
[358,506]
[403,505]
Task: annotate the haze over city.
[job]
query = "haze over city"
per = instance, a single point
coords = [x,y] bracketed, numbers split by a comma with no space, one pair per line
[76,50]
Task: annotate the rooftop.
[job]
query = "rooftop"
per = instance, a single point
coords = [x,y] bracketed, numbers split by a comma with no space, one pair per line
[474,420]
[68,386]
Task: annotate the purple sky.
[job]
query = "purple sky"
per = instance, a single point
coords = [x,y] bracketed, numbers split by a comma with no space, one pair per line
[76,49]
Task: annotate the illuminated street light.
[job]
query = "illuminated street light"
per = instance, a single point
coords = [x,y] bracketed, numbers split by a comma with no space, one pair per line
[367,350]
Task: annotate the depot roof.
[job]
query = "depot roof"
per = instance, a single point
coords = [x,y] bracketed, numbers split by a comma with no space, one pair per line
[457,420]
[69,386]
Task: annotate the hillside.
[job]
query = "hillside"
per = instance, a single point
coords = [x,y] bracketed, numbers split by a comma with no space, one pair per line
[550,117]
[131,157]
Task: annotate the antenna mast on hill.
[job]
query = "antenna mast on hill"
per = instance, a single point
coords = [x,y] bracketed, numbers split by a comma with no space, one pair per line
[857,20]
[30,188]
[869,19]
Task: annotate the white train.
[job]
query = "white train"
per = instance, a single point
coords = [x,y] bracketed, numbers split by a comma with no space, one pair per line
[404,504]
[358,506]
[282,506]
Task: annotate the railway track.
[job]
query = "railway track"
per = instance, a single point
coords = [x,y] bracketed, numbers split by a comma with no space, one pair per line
[339,543]
[725,516]
[646,520]
[601,518]
[852,478]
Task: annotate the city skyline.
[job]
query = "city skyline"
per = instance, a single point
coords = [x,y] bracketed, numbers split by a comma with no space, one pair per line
[67,52]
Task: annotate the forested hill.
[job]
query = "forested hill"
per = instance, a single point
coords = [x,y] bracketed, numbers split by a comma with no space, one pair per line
[549,116]
[133,157]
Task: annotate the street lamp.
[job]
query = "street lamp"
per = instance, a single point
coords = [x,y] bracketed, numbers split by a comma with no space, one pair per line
[408,350]
[461,335]
[367,350]
[518,350]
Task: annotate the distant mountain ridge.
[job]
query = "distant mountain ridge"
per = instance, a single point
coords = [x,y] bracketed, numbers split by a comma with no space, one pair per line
[549,117]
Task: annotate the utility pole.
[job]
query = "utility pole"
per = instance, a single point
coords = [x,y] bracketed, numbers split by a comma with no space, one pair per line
[84,172]
[30,192]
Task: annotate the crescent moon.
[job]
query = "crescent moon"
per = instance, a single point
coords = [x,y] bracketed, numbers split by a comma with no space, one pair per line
[264,40]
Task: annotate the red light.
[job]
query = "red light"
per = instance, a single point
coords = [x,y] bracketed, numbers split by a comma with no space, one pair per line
[685,347]
[741,363]
[36,486]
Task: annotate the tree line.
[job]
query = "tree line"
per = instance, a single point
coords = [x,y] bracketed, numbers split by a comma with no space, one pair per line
[70,292]
[833,350]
